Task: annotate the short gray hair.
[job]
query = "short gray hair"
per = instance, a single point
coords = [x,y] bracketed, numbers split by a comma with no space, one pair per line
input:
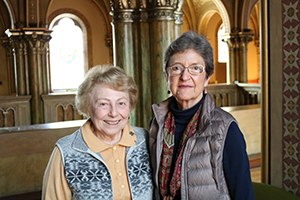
[191,40]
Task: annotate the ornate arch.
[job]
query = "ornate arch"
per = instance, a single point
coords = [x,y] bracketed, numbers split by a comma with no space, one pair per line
[202,28]
[101,5]
[87,26]
[11,13]
[254,18]
[246,13]
[203,10]
[224,15]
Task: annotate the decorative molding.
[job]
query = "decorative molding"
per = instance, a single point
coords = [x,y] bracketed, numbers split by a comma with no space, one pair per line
[161,13]
[126,15]
[178,17]
[32,13]
[290,99]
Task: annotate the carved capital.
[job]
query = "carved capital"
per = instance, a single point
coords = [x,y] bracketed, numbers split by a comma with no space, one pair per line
[231,40]
[162,3]
[126,15]
[161,13]
[143,15]
[33,37]
[5,42]
[37,38]
[238,39]
[126,4]
[246,37]
[179,5]
[178,17]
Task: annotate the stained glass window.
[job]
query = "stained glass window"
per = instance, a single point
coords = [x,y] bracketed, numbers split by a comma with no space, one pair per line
[66,56]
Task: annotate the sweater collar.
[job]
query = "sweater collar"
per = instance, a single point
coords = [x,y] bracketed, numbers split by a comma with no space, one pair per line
[96,145]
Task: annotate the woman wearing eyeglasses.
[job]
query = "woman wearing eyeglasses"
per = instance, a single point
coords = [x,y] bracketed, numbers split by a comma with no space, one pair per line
[197,149]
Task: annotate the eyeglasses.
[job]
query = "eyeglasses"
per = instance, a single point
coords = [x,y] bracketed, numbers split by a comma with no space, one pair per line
[194,69]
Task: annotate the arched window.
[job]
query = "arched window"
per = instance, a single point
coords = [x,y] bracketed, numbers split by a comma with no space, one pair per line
[222,46]
[68,53]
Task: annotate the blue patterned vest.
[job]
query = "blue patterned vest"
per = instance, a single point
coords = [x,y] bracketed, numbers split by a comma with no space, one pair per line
[88,176]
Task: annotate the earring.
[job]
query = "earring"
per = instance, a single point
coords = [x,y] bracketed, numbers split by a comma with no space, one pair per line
[169,92]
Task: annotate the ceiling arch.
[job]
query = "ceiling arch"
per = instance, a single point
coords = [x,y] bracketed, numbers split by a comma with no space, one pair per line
[198,12]
[10,13]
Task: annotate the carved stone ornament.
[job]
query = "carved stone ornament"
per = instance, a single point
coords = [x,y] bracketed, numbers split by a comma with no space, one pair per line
[166,13]
[125,16]
[143,4]
[124,4]
[178,17]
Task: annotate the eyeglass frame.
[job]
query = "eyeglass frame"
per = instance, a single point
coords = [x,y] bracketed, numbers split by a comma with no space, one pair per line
[188,69]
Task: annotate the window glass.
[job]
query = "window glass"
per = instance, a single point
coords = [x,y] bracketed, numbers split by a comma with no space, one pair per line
[66,56]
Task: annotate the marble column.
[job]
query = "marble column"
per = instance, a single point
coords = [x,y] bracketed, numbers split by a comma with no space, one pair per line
[31,66]
[37,42]
[10,65]
[257,45]
[18,47]
[125,16]
[245,38]
[162,33]
[142,30]
[237,44]
[232,42]
[145,91]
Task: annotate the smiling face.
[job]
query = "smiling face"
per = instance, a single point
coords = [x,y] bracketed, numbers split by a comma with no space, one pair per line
[109,113]
[187,88]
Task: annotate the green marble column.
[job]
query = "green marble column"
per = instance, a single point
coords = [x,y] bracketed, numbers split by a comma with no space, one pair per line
[145,90]
[126,42]
[142,32]
[162,33]
[124,46]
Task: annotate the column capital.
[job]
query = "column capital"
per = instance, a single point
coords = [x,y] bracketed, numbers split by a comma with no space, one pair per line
[178,17]
[125,15]
[161,13]
[36,37]
[25,34]
[125,4]
[5,41]
[246,37]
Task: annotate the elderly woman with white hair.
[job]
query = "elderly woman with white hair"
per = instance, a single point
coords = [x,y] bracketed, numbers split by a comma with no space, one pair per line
[106,158]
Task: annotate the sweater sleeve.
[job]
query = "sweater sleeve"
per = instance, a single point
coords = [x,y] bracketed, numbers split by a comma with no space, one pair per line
[55,185]
[236,165]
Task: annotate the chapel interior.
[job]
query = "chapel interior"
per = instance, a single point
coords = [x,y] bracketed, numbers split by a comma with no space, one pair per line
[47,46]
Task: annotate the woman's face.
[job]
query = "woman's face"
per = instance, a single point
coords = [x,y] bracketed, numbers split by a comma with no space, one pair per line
[185,87]
[110,110]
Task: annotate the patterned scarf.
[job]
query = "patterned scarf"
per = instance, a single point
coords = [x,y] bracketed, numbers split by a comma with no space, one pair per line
[169,189]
